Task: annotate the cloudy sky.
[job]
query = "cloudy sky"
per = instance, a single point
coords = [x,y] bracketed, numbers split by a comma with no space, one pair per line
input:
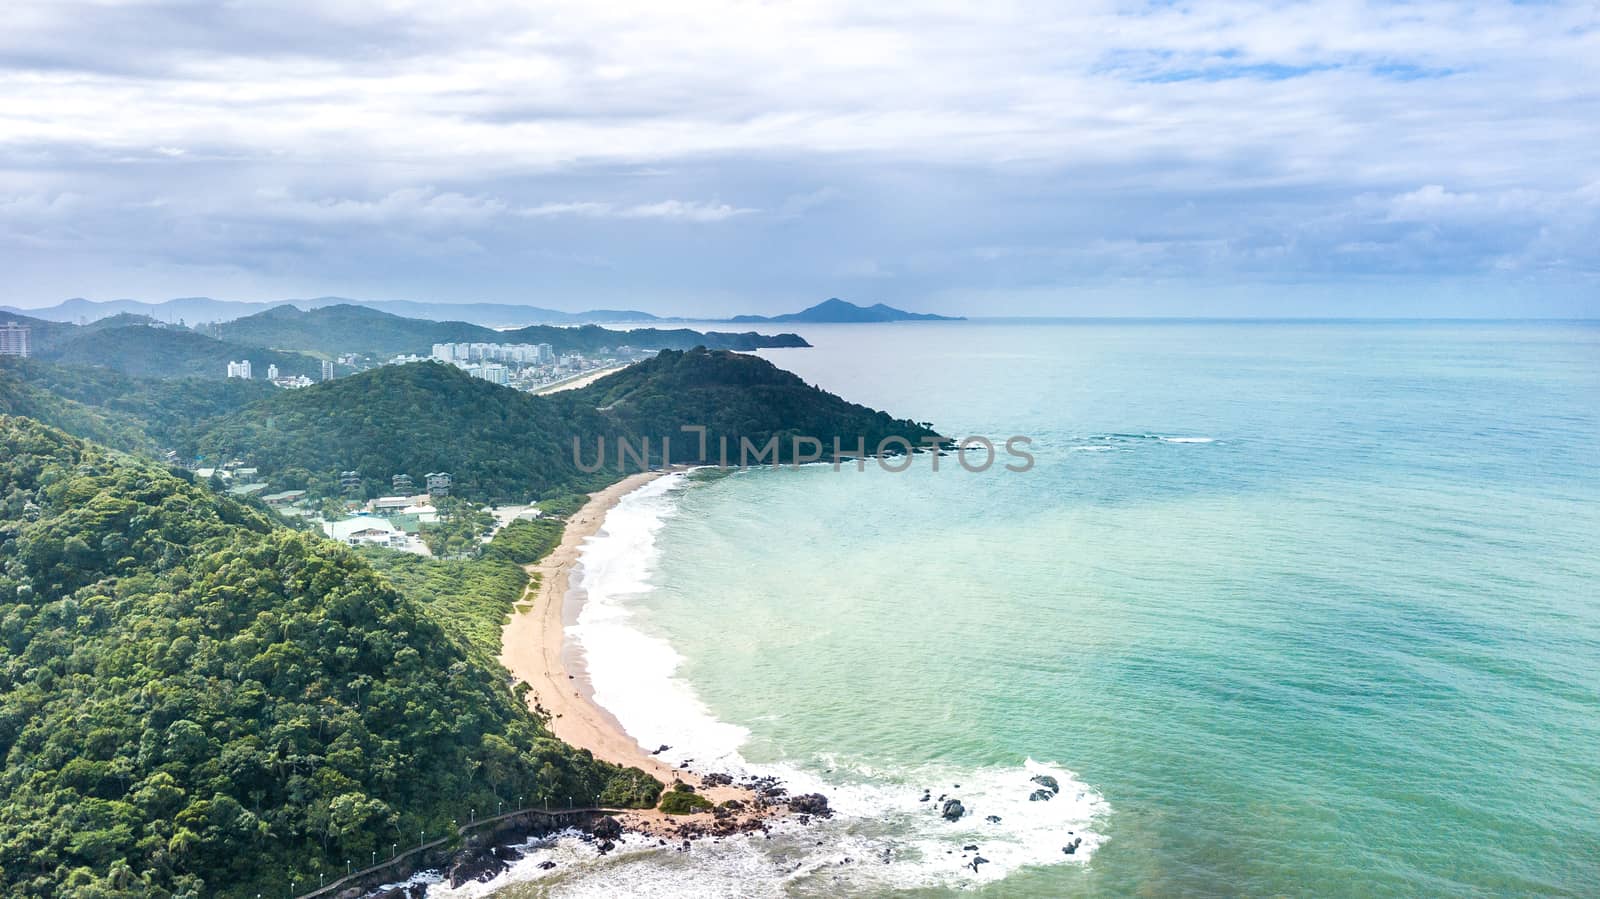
[995,157]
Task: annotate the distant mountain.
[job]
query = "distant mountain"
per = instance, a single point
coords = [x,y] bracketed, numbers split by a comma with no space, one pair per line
[835,310]
[358,329]
[191,310]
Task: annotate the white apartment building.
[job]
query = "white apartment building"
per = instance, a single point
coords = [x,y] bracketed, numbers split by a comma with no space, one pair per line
[239,369]
[14,340]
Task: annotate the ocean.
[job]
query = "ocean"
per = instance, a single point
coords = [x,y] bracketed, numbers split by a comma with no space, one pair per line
[1284,608]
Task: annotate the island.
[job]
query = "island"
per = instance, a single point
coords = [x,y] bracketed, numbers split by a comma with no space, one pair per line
[837,311]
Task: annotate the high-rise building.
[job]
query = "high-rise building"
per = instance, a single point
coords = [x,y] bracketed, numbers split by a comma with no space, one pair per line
[14,340]
[327,370]
[272,372]
[438,483]
[239,369]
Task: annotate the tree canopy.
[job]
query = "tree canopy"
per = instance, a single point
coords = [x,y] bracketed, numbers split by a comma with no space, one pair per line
[197,702]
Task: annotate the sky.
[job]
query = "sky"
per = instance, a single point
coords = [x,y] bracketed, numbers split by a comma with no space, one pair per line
[1322,158]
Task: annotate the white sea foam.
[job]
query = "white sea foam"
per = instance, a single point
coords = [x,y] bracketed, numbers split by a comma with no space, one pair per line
[634,674]
[1187,439]
[882,835]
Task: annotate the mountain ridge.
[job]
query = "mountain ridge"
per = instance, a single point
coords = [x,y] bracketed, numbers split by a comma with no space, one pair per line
[836,311]
[193,310]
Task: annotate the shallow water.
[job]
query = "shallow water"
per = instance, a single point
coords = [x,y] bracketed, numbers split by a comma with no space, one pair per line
[1286,608]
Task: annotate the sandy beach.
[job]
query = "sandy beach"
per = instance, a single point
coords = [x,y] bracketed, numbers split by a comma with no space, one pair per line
[580,381]
[532,649]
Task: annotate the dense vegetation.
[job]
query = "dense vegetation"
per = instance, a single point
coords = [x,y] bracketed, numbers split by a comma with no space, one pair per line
[473,596]
[497,443]
[168,352]
[681,800]
[357,329]
[734,396]
[21,396]
[135,414]
[196,702]
[501,444]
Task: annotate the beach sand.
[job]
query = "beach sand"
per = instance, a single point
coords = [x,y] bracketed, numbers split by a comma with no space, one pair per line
[532,649]
[579,381]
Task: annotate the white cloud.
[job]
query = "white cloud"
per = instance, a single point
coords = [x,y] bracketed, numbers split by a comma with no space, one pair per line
[1300,134]
[676,210]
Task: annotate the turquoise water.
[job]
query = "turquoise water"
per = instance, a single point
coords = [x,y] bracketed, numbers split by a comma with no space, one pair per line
[1291,608]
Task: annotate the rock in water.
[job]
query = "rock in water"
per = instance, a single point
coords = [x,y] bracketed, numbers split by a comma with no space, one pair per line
[1048,782]
[473,865]
[993,819]
[953,810]
[1040,796]
[811,804]
[607,828]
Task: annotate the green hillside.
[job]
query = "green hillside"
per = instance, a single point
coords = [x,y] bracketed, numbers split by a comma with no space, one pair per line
[734,396]
[168,352]
[196,702]
[502,444]
[122,411]
[331,330]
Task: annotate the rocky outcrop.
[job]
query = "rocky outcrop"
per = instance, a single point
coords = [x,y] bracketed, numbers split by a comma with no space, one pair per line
[474,863]
[952,810]
[811,804]
[607,828]
[1048,782]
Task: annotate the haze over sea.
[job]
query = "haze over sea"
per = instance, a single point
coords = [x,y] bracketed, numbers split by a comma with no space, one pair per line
[1285,607]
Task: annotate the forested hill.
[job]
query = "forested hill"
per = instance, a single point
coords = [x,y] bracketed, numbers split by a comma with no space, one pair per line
[196,702]
[162,352]
[357,329]
[501,444]
[146,415]
[734,396]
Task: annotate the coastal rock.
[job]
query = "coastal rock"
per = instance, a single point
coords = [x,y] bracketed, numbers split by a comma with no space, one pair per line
[980,860]
[1072,847]
[993,819]
[606,846]
[953,810]
[811,804]
[1041,796]
[663,748]
[470,865]
[716,780]
[1048,782]
[971,847]
[607,828]
[547,865]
